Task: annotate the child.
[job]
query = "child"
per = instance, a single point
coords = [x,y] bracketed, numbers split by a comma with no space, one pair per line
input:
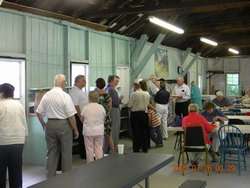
[93,115]
[155,131]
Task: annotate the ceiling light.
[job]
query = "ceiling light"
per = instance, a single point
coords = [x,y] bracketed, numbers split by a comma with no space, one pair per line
[140,15]
[208,41]
[113,25]
[234,51]
[1,1]
[166,25]
[123,28]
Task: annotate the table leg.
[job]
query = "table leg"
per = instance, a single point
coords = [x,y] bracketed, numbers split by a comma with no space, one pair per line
[147,182]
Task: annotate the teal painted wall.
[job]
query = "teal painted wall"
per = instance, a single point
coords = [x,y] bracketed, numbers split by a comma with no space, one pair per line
[49,46]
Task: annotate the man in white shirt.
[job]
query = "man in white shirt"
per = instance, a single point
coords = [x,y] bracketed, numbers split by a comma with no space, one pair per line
[80,99]
[57,105]
[181,93]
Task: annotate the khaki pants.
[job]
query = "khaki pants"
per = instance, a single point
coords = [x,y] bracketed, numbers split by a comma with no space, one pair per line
[59,138]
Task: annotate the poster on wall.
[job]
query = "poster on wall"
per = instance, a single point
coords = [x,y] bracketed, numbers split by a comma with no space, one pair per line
[161,64]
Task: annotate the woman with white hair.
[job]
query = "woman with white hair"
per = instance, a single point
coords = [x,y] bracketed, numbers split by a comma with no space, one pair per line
[93,117]
[196,119]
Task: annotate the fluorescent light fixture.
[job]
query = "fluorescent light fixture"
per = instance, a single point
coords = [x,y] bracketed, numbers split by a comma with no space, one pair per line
[208,41]
[165,25]
[113,25]
[123,28]
[140,15]
[234,51]
[1,1]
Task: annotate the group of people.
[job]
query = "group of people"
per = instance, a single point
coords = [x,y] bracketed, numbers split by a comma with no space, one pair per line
[93,119]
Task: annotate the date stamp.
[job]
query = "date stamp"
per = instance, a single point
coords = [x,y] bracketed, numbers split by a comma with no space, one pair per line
[218,168]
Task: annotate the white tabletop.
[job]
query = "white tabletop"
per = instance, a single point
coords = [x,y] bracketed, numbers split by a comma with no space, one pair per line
[244,110]
[245,129]
[244,118]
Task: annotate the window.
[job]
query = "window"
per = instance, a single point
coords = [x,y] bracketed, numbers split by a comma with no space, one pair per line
[80,68]
[200,82]
[232,83]
[13,71]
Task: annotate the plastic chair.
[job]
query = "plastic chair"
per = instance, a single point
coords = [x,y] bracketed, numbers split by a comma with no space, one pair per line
[232,142]
[194,141]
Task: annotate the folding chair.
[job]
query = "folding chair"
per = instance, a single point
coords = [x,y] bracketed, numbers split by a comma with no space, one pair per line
[194,141]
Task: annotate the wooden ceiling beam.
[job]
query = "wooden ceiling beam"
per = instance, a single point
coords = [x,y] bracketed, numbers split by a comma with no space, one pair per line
[221,29]
[174,7]
[23,8]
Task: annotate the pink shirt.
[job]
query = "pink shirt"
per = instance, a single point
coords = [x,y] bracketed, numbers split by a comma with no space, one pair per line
[94,116]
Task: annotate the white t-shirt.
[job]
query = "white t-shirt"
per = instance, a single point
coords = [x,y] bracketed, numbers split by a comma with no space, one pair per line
[183,91]
[79,97]
[13,125]
[56,104]
[139,101]
[94,116]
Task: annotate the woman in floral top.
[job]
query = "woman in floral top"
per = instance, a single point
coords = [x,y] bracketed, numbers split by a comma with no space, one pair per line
[106,101]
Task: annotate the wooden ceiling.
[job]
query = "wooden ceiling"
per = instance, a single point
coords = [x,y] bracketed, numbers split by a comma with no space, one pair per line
[226,21]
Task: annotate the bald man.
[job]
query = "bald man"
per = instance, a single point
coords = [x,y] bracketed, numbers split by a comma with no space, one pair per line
[58,107]
[182,94]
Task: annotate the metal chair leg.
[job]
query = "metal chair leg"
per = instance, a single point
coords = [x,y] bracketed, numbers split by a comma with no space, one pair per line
[244,158]
[206,158]
[182,167]
[238,162]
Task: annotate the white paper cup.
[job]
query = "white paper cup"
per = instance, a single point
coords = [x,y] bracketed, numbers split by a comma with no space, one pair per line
[120,149]
[226,122]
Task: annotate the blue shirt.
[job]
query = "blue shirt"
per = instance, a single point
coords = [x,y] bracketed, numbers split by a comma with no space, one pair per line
[114,95]
[211,116]
[224,102]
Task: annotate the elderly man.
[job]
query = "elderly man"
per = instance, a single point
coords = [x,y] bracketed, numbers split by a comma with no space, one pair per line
[59,108]
[221,100]
[194,119]
[182,94]
[113,81]
[80,99]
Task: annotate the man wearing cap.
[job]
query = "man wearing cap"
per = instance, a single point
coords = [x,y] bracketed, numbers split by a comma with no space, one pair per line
[221,100]
[181,93]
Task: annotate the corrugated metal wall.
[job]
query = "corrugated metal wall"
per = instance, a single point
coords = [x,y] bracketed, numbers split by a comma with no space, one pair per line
[11,33]
[50,45]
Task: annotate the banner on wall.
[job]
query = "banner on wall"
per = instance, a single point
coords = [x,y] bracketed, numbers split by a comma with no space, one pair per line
[161,64]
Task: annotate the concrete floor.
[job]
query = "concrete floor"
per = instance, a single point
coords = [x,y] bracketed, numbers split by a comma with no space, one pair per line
[166,177]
